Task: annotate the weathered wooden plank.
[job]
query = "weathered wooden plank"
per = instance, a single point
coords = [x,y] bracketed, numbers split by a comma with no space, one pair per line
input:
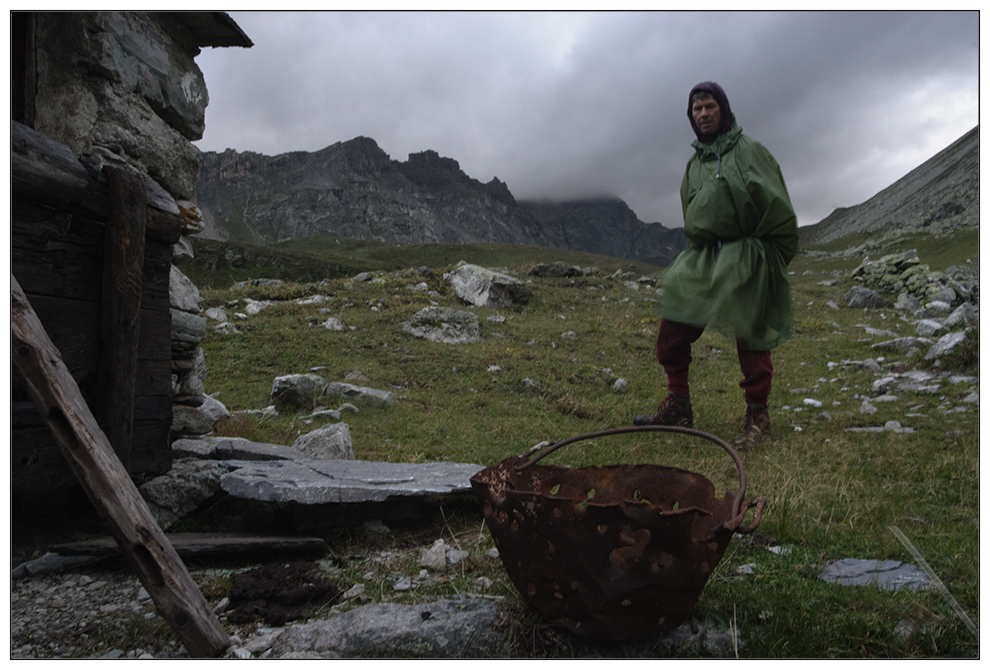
[38,466]
[47,172]
[23,67]
[123,278]
[56,253]
[107,484]
[193,545]
[75,326]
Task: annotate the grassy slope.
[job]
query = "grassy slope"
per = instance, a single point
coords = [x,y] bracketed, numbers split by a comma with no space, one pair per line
[831,494]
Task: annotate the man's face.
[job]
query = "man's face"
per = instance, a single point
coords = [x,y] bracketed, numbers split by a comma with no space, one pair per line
[706,115]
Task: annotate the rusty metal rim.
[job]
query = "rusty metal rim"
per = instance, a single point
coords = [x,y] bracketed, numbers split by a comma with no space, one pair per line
[736,502]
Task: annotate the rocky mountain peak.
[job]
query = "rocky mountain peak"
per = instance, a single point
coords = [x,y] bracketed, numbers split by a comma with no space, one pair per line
[353,189]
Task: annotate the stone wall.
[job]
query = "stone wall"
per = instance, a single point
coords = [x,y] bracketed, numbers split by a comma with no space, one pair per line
[98,89]
[122,88]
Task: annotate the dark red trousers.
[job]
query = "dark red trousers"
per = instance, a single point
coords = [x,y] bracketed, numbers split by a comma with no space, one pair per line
[674,342]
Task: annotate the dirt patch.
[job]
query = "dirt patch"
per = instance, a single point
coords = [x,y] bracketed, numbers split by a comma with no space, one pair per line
[277,593]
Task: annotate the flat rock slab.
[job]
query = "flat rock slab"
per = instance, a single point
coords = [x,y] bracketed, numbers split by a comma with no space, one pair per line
[457,628]
[234,448]
[890,575]
[317,482]
[441,629]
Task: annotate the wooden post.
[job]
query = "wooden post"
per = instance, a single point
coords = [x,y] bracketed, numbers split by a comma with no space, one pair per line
[123,279]
[86,448]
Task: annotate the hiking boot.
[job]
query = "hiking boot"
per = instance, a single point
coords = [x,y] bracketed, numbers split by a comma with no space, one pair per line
[755,428]
[673,411]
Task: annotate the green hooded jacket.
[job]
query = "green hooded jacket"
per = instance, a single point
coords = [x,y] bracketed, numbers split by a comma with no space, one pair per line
[742,233]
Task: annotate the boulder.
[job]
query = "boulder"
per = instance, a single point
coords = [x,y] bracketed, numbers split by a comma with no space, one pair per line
[927,327]
[480,286]
[291,393]
[360,396]
[217,314]
[181,490]
[189,374]
[901,344]
[445,325]
[963,315]
[187,331]
[233,448]
[860,297]
[440,629]
[945,344]
[191,421]
[182,293]
[329,442]
[907,302]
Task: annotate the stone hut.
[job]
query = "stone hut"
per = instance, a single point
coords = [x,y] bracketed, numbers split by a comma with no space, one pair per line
[105,107]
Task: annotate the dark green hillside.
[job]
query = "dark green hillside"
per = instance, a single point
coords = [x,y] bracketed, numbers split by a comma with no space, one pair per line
[327,256]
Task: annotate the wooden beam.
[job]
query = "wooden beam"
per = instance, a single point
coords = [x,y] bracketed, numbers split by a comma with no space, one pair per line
[199,545]
[23,70]
[45,171]
[103,478]
[123,278]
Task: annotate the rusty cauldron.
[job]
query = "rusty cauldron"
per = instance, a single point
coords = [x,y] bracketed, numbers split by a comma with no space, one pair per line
[619,552]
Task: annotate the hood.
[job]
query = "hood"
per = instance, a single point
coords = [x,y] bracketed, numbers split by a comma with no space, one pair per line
[725,120]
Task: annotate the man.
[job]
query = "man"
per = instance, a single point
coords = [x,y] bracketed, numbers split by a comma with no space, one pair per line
[742,233]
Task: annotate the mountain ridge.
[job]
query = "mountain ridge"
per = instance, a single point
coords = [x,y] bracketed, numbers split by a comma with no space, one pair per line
[355,190]
[939,196]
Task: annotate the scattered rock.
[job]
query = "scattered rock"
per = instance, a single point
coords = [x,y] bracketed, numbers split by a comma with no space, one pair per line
[227,328]
[333,323]
[360,396]
[291,393]
[859,297]
[329,442]
[187,331]
[182,293]
[440,629]
[435,557]
[182,489]
[445,325]
[889,575]
[190,421]
[945,344]
[901,344]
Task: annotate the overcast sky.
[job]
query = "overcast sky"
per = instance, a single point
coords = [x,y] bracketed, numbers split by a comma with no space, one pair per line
[561,105]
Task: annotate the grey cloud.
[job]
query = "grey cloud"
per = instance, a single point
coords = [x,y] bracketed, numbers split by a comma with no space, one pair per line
[570,104]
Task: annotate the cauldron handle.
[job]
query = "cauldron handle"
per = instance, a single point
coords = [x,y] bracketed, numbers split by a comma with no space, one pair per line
[737,502]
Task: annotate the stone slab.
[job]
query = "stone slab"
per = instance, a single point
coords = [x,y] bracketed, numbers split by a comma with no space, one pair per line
[890,575]
[235,448]
[441,629]
[317,482]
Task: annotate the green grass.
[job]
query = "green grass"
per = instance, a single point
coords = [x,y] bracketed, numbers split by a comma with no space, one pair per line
[831,493]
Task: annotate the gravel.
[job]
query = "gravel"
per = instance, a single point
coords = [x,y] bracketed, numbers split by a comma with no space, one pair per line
[73,615]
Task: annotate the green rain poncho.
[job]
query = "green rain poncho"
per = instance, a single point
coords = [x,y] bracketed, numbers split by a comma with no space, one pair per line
[742,233]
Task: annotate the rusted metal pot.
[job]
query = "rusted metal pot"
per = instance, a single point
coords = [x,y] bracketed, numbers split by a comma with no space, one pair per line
[619,552]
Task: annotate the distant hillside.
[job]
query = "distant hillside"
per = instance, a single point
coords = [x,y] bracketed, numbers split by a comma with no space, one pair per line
[940,196]
[354,190]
